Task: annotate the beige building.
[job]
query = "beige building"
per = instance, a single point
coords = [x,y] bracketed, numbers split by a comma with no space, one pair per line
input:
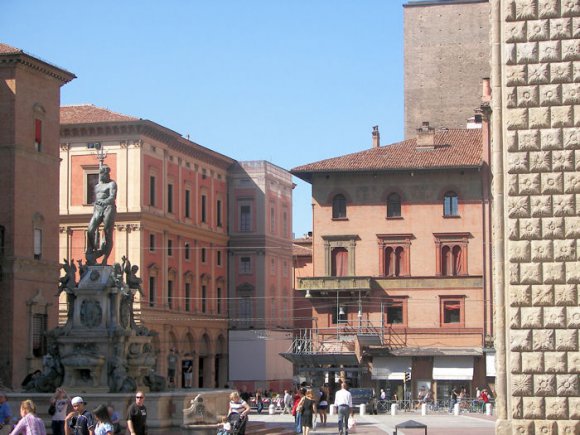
[447,54]
[29,164]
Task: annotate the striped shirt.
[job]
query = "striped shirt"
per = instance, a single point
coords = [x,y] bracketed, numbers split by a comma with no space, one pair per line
[29,425]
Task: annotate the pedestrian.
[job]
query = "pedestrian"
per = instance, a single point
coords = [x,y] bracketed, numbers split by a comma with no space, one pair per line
[137,415]
[287,402]
[29,424]
[343,401]
[80,421]
[297,416]
[115,419]
[323,404]
[238,413]
[61,406]
[484,399]
[103,421]
[307,410]
[5,411]
[383,395]
[259,403]
[453,397]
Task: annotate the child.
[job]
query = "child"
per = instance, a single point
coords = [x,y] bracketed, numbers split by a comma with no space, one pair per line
[224,428]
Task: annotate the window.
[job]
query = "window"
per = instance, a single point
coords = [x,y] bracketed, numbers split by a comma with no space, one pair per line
[284,268]
[186,251]
[187,296]
[394,312]
[218,259]
[152,291]
[170,198]
[245,310]
[285,224]
[187,203]
[91,180]
[394,257]
[451,253]
[203,255]
[273,266]
[152,190]
[37,243]
[218,212]
[339,207]
[170,294]
[272,220]
[219,300]
[39,342]
[169,247]
[245,265]
[204,208]
[203,298]
[450,204]
[339,265]
[393,205]
[38,135]
[245,219]
[451,311]
[152,242]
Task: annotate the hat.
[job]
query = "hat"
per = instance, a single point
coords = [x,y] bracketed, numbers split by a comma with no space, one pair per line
[77,400]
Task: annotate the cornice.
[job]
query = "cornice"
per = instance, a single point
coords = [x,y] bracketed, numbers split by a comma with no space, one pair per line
[23,59]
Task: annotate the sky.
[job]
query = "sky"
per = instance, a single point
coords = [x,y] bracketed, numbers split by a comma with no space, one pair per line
[288,81]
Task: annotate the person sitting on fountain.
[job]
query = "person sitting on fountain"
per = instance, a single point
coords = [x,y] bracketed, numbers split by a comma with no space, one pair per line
[224,428]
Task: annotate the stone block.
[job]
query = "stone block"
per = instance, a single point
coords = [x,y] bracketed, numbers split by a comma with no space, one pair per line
[513,229]
[514,321]
[547,9]
[521,340]
[566,339]
[576,27]
[563,204]
[517,408]
[539,117]
[561,116]
[562,160]
[573,317]
[522,427]
[567,385]
[511,97]
[551,139]
[538,30]
[552,182]
[514,273]
[527,96]
[526,10]
[543,339]
[531,317]
[565,295]
[573,272]
[516,119]
[571,182]
[554,273]
[545,427]
[573,362]
[571,93]
[564,250]
[515,31]
[572,227]
[519,251]
[512,182]
[556,408]
[537,74]
[550,95]
[529,184]
[568,427]
[544,385]
[560,28]
[576,72]
[518,207]
[570,49]
[569,8]
[555,362]
[561,72]
[542,295]
[528,140]
[522,385]
[552,228]
[533,362]
[534,408]
[520,295]
[554,317]
[549,51]
[541,205]
[531,273]
[574,407]
[515,362]
[571,138]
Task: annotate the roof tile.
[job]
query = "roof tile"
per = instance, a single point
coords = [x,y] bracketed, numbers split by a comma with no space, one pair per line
[90,114]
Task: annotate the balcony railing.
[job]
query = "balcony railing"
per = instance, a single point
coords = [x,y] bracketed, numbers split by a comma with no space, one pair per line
[335,283]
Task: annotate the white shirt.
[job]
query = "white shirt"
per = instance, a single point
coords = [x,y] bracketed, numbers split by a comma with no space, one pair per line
[343,397]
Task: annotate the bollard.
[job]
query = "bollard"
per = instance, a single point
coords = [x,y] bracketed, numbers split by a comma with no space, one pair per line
[394,409]
[271,409]
[424,409]
[363,409]
[456,409]
[488,408]
[333,410]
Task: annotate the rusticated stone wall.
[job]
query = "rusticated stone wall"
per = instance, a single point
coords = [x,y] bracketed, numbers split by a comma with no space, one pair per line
[537,227]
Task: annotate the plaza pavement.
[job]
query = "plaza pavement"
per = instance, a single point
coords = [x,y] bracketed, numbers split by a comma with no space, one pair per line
[437,424]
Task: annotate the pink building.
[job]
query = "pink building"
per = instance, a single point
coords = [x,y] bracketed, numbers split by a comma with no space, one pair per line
[401,265]
[171,221]
[29,260]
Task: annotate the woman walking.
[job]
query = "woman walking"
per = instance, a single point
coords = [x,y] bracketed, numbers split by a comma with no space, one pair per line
[29,424]
[307,408]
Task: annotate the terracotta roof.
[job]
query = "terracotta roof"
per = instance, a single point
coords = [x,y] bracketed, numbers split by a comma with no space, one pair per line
[90,114]
[301,251]
[452,149]
[7,49]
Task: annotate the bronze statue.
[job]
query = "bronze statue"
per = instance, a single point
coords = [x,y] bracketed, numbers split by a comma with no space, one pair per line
[104,212]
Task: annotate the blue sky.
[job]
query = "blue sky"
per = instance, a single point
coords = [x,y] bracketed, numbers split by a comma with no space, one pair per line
[289,81]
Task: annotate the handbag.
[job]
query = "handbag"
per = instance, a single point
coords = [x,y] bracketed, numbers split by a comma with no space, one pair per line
[351,422]
[51,409]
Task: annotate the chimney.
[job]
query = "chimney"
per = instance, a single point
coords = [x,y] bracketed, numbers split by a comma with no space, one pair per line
[376,137]
[425,136]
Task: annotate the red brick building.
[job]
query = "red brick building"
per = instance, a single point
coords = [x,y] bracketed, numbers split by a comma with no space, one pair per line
[401,264]
[172,221]
[29,164]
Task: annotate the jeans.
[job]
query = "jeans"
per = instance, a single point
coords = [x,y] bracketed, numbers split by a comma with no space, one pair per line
[343,413]
[298,422]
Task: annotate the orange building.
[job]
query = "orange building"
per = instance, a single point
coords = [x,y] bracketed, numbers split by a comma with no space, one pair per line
[171,221]
[29,116]
[401,265]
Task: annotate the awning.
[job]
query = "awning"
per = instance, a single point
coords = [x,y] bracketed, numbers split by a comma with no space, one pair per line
[390,368]
[453,368]
[490,364]
[322,358]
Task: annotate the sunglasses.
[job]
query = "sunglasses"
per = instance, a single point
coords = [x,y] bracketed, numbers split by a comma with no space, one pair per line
[139,397]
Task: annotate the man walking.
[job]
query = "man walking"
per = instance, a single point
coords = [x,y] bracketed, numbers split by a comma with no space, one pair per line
[137,416]
[287,402]
[343,401]
[80,421]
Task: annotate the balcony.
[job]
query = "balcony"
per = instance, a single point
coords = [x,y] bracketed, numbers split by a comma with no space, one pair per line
[327,284]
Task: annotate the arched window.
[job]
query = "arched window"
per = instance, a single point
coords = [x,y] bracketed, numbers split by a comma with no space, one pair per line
[339,265]
[394,205]
[339,207]
[451,261]
[394,257]
[450,204]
